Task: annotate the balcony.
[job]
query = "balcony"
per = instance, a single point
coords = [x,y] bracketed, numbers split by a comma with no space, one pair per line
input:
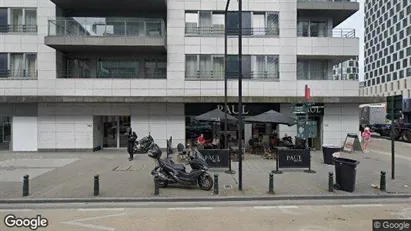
[219,31]
[129,35]
[219,75]
[18,74]
[110,7]
[18,28]
[335,33]
[338,10]
[141,67]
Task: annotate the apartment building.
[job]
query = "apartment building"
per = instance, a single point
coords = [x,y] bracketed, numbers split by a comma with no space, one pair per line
[77,74]
[387,48]
[346,70]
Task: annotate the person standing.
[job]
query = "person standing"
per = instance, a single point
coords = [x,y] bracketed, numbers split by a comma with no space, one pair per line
[366,138]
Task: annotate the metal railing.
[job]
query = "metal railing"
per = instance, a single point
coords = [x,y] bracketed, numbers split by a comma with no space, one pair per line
[336,33]
[18,28]
[212,31]
[18,73]
[106,27]
[212,75]
[117,74]
[328,0]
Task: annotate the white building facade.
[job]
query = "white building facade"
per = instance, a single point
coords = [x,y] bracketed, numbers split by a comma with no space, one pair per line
[387,48]
[75,77]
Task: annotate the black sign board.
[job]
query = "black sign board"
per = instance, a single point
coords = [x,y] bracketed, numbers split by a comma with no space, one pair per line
[294,158]
[216,158]
[250,109]
[314,109]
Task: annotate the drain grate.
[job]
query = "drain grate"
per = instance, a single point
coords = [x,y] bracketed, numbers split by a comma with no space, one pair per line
[128,168]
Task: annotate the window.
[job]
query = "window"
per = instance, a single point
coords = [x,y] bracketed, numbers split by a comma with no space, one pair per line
[20,20]
[265,24]
[18,65]
[233,23]
[264,67]
[204,23]
[309,69]
[205,66]
[308,28]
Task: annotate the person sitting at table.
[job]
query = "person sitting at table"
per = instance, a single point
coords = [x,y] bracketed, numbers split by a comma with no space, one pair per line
[201,140]
[216,142]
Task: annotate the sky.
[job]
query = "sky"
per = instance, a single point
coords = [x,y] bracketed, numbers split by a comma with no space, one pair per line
[356,21]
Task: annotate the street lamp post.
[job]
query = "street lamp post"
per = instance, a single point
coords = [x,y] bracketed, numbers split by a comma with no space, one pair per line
[229,171]
[240,93]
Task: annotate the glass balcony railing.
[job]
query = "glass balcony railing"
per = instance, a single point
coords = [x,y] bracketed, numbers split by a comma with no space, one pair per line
[335,33]
[219,75]
[106,27]
[212,31]
[328,0]
[18,73]
[115,74]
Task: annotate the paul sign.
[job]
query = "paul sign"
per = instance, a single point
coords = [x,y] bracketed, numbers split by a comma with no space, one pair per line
[233,109]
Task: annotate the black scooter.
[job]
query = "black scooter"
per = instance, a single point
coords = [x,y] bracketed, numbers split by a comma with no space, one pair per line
[167,172]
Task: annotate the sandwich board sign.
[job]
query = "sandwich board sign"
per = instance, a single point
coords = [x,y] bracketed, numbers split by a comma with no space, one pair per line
[352,143]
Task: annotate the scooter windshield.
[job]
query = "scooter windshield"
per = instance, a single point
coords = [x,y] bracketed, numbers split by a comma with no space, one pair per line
[201,158]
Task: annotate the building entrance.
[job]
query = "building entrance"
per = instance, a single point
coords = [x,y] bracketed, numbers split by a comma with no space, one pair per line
[115,131]
[5,132]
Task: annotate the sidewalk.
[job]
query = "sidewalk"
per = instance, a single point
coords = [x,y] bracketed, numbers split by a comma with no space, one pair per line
[70,175]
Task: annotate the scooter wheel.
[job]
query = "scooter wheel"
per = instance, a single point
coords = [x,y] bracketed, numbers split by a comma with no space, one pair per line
[205,181]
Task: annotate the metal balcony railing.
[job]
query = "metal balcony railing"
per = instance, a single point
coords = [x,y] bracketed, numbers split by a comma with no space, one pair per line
[336,33]
[212,31]
[18,28]
[116,74]
[328,0]
[218,75]
[18,73]
[106,27]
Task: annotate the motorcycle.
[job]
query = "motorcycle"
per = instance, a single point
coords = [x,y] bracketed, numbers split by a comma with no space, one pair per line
[168,172]
[141,146]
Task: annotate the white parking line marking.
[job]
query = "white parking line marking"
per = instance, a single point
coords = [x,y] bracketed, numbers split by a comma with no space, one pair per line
[16,210]
[276,207]
[193,208]
[79,223]
[102,209]
[362,205]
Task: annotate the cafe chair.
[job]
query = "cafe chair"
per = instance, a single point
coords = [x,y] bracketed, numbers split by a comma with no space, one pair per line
[182,153]
[268,154]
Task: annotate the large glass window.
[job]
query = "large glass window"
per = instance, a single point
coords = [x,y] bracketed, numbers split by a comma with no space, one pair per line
[23,20]
[4,25]
[18,65]
[310,69]
[308,28]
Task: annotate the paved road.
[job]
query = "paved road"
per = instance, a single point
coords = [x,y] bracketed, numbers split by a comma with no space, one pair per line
[241,217]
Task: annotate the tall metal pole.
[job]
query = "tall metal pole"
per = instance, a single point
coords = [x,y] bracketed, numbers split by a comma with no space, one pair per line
[240,95]
[225,74]
[229,171]
[392,138]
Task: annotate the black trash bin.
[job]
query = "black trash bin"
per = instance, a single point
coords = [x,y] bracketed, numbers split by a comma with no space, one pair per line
[328,151]
[345,172]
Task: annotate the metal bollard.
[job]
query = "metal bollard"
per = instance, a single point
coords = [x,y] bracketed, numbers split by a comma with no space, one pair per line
[382,181]
[216,191]
[156,188]
[271,183]
[25,185]
[96,185]
[330,182]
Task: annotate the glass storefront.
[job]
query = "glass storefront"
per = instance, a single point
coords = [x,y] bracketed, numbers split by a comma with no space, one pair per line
[5,132]
[115,130]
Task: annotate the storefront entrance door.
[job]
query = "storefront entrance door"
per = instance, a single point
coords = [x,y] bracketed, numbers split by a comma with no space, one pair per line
[5,132]
[115,131]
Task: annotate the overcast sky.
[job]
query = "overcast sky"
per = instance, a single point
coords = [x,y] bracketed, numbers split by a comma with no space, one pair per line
[356,21]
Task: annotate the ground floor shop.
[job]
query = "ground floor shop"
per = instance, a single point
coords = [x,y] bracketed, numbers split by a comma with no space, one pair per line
[95,126]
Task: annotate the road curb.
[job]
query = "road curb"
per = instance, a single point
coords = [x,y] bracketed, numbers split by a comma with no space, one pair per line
[200,199]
